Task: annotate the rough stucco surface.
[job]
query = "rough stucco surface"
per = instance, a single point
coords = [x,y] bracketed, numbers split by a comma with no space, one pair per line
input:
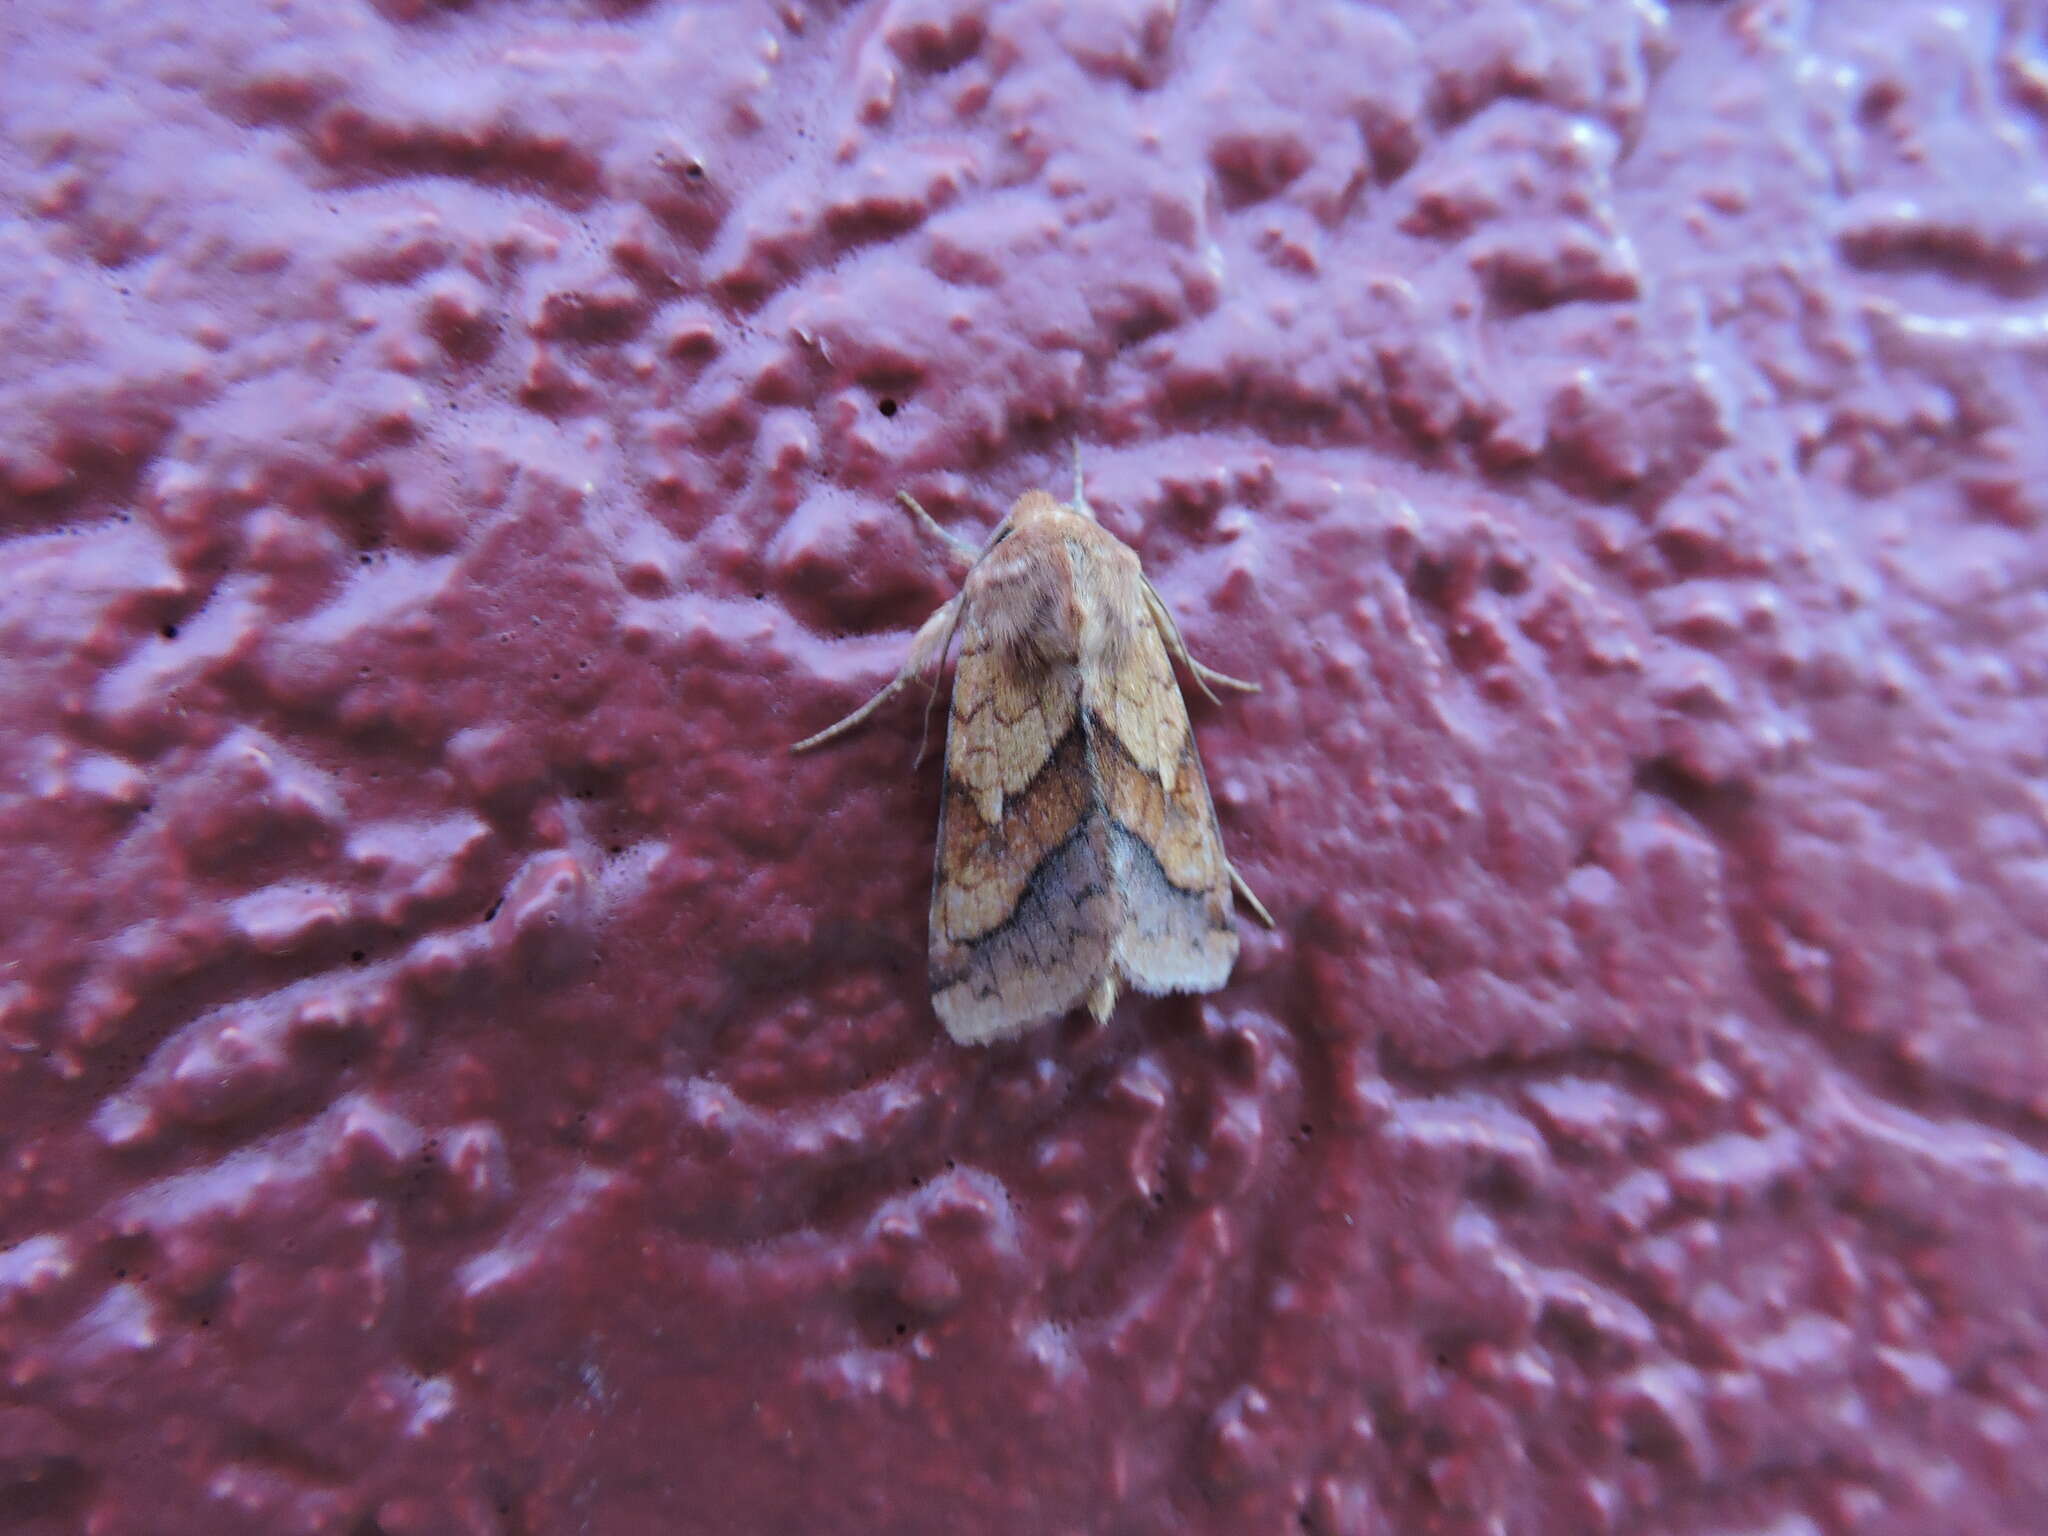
[462,1075]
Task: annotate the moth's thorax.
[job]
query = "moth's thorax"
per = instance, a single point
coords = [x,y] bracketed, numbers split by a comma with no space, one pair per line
[1039,593]
[1021,597]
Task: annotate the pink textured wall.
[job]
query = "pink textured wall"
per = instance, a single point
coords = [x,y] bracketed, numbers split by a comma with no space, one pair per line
[461,1075]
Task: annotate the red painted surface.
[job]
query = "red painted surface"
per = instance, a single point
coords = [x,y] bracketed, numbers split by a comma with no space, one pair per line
[462,1075]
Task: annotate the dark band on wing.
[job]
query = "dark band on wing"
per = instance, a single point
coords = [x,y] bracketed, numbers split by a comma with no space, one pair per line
[983,869]
[1046,955]
[1178,825]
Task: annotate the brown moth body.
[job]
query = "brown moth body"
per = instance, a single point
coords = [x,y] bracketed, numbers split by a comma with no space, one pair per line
[1078,852]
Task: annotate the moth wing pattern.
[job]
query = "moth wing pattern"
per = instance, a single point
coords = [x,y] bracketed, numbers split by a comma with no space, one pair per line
[1025,910]
[1177,932]
[1078,852]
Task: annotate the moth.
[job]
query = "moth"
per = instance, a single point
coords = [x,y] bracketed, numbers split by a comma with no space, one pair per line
[1078,854]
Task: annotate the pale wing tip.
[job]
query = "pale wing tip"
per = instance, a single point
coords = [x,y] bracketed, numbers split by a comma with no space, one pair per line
[964,1029]
[970,1023]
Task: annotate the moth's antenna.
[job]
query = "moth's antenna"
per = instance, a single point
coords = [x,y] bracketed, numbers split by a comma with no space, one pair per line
[1080,496]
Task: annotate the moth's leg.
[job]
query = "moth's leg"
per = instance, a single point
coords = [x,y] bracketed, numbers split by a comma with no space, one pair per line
[1245,893]
[926,649]
[1162,616]
[955,546]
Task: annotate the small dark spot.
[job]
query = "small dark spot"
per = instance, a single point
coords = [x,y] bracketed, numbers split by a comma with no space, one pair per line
[120,1272]
[169,631]
[1507,580]
[1503,1186]
[759,595]
[616,850]
[362,559]
[1430,581]
[902,1329]
[357,956]
[1879,101]
[888,406]
[494,909]
[694,171]
[206,1322]
[1307,1130]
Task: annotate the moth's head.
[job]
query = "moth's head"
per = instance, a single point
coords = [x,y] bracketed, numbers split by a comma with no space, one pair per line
[1036,512]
